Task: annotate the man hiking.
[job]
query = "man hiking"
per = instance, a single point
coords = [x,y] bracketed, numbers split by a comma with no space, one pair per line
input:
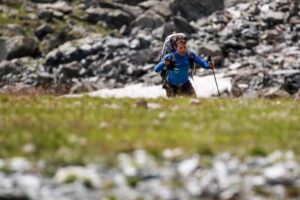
[176,65]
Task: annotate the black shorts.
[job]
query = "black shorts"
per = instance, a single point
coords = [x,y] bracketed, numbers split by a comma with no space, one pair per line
[185,89]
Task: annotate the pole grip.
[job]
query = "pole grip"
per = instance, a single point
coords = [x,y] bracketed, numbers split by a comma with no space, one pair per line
[209,59]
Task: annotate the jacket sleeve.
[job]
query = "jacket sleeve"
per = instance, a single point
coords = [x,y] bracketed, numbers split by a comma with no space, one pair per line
[200,61]
[161,64]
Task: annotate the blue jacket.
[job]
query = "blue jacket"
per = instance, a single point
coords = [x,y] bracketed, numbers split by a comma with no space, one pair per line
[180,75]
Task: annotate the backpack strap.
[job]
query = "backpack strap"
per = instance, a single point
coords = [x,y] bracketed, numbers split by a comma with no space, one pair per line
[191,59]
[169,65]
[192,64]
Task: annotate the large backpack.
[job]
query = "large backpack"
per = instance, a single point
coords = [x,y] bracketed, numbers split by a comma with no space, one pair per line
[168,47]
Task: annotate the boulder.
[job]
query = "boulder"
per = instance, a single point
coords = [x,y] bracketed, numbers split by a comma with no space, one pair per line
[43,30]
[292,83]
[130,2]
[195,9]
[7,67]
[149,19]
[3,51]
[182,25]
[133,11]
[43,1]
[19,46]
[113,18]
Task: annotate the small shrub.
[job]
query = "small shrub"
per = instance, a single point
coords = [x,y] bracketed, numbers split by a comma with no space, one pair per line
[70,179]
[258,151]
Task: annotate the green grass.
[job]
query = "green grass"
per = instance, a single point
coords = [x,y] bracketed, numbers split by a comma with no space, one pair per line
[81,130]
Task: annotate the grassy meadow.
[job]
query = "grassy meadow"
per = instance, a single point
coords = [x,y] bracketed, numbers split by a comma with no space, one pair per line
[81,130]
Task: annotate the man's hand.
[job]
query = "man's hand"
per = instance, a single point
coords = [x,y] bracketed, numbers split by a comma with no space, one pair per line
[212,64]
[166,62]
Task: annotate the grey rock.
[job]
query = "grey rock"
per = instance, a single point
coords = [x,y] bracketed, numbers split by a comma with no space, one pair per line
[12,30]
[45,79]
[43,1]
[149,19]
[3,51]
[114,18]
[234,44]
[229,3]
[211,49]
[20,46]
[273,17]
[193,10]
[70,70]
[7,67]
[113,43]
[84,86]
[182,25]
[43,30]
[133,11]
[45,15]
[292,83]
[59,6]
[130,2]
[163,8]
[274,92]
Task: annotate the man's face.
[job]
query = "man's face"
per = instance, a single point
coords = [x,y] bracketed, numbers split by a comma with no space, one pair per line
[181,48]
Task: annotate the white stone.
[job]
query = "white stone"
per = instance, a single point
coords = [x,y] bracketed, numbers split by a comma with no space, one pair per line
[30,184]
[19,164]
[221,173]
[275,172]
[126,165]
[153,106]
[81,173]
[186,167]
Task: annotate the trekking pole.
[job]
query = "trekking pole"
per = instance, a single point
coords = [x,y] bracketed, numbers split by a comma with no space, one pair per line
[209,60]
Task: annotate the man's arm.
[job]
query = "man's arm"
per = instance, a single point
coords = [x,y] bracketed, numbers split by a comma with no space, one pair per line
[200,61]
[159,66]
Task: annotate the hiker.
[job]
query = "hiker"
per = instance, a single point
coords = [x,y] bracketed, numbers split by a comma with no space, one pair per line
[176,67]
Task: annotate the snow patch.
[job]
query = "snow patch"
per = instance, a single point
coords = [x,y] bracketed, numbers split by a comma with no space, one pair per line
[204,86]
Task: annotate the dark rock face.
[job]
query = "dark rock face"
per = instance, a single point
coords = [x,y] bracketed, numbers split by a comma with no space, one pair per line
[194,9]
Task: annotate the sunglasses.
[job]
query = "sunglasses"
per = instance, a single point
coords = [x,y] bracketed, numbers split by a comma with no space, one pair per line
[179,39]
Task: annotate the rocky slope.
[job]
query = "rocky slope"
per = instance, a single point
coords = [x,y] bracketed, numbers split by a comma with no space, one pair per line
[76,46]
